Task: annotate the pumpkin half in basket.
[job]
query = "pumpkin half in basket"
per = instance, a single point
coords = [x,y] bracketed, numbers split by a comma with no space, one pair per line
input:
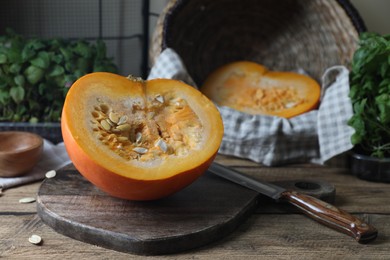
[136,139]
[251,88]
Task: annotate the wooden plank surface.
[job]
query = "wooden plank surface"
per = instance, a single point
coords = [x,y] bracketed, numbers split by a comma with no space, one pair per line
[271,233]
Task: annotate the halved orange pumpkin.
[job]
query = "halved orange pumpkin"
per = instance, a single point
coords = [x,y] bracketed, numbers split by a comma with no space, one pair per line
[139,140]
[251,88]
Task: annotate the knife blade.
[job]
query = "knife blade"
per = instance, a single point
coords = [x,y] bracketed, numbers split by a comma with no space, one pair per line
[314,208]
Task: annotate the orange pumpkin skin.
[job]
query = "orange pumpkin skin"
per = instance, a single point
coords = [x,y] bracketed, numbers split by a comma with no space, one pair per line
[251,88]
[125,180]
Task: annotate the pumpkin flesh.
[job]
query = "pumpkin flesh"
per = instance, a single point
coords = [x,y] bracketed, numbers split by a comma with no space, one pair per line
[139,140]
[251,88]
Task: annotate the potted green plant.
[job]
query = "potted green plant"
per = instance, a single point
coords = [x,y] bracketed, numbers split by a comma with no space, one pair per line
[370,96]
[35,75]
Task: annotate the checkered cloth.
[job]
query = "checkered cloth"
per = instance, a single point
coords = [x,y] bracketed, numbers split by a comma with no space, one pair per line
[316,136]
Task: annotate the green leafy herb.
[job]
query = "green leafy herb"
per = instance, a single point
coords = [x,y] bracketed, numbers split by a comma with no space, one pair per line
[35,74]
[370,95]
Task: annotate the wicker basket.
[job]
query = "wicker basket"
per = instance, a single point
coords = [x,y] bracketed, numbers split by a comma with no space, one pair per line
[283,35]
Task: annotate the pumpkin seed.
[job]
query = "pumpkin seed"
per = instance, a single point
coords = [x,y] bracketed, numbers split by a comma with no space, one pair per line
[140,150]
[144,139]
[95,114]
[138,137]
[98,115]
[106,126]
[27,200]
[122,120]
[112,124]
[124,127]
[111,137]
[123,139]
[162,145]
[104,108]
[114,117]
[35,239]
[160,98]
[150,115]
[50,174]
[290,104]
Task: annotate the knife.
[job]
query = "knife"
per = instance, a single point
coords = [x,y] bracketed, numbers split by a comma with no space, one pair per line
[316,209]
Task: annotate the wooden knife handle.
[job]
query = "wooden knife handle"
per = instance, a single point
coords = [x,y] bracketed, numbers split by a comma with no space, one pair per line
[331,216]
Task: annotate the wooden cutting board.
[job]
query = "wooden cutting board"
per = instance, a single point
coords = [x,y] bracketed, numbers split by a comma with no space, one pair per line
[205,211]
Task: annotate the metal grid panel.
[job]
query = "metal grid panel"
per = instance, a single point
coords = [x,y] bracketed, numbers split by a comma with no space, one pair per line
[120,23]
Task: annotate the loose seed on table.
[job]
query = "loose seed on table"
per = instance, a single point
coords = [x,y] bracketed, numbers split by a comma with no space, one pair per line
[50,174]
[27,200]
[35,239]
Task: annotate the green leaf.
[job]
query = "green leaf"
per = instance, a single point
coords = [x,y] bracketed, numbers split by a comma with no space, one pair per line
[3,58]
[42,88]
[83,64]
[384,69]
[78,73]
[70,66]
[359,107]
[34,74]
[370,93]
[66,53]
[83,49]
[4,97]
[27,53]
[15,68]
[34,105]
[56,71]
[383,103]
[56,58]
[33,120]
[14,55]
[35,44]
[42,60]
[17,94]
[38,73]
[20,80]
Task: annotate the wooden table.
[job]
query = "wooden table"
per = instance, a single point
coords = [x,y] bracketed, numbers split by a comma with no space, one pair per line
[273,232]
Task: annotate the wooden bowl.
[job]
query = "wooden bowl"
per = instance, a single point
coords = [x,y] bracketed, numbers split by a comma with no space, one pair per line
[19,152]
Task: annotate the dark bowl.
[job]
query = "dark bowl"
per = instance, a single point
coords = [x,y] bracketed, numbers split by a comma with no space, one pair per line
[370,168]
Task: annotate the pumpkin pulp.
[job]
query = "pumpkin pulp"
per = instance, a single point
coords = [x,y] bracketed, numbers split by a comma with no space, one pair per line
[251,88]
[136,139]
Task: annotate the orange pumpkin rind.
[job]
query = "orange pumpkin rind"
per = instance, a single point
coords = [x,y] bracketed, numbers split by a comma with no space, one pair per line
[139,140]
[251,88]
